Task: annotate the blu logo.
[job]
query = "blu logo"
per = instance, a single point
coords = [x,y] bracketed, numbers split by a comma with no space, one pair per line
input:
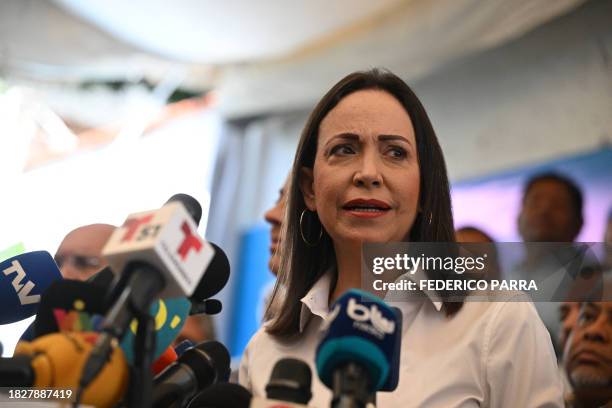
[361,313]
[22,290]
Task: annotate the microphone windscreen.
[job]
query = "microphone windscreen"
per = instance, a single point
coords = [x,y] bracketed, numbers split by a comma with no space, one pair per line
[216,276]
[364,330]
[76,306]
[104,279]
[206,356]
[222,395]
[167,357]
[58,360]
[192,205]
[183,346]
[169,316]
[70,305]
[23,279]
[290,381]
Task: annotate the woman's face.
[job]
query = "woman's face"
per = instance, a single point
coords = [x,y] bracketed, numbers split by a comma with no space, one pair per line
[365,181]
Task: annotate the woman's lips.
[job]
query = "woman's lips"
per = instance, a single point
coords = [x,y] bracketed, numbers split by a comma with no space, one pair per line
[366,213]
[366,208]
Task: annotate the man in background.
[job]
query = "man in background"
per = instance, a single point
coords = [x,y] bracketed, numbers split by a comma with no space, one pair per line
[79,255]
[470,234]
[551,211]
[588,360]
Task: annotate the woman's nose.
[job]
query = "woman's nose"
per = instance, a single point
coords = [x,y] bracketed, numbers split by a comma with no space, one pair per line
[368,172]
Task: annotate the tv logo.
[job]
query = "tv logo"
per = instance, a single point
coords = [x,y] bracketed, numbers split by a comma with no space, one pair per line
[22,290]
[361,313]
[133,224]
[77,319]
[190,242]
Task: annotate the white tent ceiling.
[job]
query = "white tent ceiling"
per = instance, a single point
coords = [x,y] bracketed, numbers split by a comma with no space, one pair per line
[261,56]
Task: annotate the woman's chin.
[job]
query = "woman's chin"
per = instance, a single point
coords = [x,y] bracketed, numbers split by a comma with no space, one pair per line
[359,239]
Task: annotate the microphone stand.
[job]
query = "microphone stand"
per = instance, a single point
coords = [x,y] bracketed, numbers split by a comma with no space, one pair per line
[140,389]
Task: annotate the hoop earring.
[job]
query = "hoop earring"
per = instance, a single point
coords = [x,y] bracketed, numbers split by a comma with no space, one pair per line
[302,231]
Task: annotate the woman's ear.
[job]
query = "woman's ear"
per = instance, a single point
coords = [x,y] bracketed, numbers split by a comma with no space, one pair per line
[306,186]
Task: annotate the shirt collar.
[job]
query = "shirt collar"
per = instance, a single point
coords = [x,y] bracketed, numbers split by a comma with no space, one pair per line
[316,301]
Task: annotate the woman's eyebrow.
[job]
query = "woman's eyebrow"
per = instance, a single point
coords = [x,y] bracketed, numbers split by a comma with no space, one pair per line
[388,138]
[343,136]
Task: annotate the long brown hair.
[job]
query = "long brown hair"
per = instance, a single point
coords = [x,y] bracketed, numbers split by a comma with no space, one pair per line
[302,265]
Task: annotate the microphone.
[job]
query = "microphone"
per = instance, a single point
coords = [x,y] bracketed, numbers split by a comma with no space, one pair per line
[183,346]
[290,381]
[104,278]
[24,277]
[360,350]
[192,205]
[170,316]
[222,395]
[167,357]
[197,368]
[70,305]
[55,361]
[160,256]
[208,306]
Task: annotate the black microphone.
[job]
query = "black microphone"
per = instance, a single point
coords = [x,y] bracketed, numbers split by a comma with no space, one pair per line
[197,368]
[215,277]
[290,381]
[208,306]
[160,256]
[192,205]
[223,395]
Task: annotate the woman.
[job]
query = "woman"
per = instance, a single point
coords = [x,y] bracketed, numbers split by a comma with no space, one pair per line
[368,168]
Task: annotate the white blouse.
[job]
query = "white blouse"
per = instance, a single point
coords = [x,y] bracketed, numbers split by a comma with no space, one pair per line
[487,355]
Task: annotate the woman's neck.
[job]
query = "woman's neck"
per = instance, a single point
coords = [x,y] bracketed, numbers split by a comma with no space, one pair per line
[348,260]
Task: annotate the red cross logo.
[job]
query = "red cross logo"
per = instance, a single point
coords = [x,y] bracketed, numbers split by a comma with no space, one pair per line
[190,242]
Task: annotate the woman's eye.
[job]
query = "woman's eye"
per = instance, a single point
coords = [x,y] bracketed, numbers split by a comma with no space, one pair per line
[342,149]
[397,152]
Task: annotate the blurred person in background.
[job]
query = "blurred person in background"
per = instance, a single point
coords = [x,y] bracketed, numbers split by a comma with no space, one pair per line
[608,243]
[588,357]
[79,256]
[197,328]
[470,234]
[568,314]
[274,217]
[551,211]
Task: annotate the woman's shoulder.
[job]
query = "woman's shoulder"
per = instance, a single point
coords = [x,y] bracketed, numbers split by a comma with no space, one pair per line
[513,313]
[260,338]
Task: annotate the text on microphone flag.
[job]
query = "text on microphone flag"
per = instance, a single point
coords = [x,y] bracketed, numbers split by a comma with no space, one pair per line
[133,224]
[22,290]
